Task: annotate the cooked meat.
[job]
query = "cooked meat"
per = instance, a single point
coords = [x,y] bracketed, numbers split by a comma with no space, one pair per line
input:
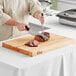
[44,36]
[47,34]
[41,37]
[33,43]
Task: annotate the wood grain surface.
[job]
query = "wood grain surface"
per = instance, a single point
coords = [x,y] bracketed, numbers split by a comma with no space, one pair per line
[55,42]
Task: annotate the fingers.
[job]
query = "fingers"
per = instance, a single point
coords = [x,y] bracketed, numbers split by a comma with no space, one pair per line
[42,20]
[22,27]
[40,16]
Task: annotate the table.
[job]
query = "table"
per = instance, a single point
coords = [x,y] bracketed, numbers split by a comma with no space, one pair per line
[60,62]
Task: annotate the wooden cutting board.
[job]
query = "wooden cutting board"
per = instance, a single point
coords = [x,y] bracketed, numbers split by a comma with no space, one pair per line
[53,43]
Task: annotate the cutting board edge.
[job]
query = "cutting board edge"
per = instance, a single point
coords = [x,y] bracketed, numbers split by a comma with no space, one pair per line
[13,48]
[31,54]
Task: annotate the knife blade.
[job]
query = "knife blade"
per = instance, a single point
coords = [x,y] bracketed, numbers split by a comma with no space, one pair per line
[36,28]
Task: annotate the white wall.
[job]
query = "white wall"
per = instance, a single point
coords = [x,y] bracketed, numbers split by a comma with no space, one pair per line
[66,4]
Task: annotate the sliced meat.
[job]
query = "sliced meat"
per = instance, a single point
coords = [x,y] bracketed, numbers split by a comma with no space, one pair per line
[39,38]
[44,36]
[33,43]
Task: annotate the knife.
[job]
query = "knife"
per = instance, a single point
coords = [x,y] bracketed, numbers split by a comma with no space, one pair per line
[27,28]
[35,29]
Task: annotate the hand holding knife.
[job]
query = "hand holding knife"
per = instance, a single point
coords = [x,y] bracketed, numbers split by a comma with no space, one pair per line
[42,22]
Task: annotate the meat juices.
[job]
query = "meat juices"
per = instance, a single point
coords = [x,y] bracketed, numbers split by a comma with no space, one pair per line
[42,37]
[33,43]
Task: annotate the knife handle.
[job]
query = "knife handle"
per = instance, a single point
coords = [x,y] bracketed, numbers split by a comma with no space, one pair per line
[42,14]
[27,28]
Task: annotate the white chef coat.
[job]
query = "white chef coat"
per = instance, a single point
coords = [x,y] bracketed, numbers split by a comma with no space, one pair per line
[18,10]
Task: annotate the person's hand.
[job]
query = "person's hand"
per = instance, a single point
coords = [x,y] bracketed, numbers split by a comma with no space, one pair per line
[22,27]
[38,16]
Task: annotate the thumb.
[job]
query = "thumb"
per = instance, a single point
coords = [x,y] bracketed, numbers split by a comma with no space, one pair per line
[42,20]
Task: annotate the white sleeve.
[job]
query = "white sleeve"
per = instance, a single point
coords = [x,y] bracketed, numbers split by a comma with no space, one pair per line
[34,6]
[3,16]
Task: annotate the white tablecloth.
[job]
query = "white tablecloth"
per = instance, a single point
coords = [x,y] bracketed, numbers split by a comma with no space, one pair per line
[60,62]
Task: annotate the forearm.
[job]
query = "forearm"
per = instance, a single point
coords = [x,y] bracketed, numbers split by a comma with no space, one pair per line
[12,22]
